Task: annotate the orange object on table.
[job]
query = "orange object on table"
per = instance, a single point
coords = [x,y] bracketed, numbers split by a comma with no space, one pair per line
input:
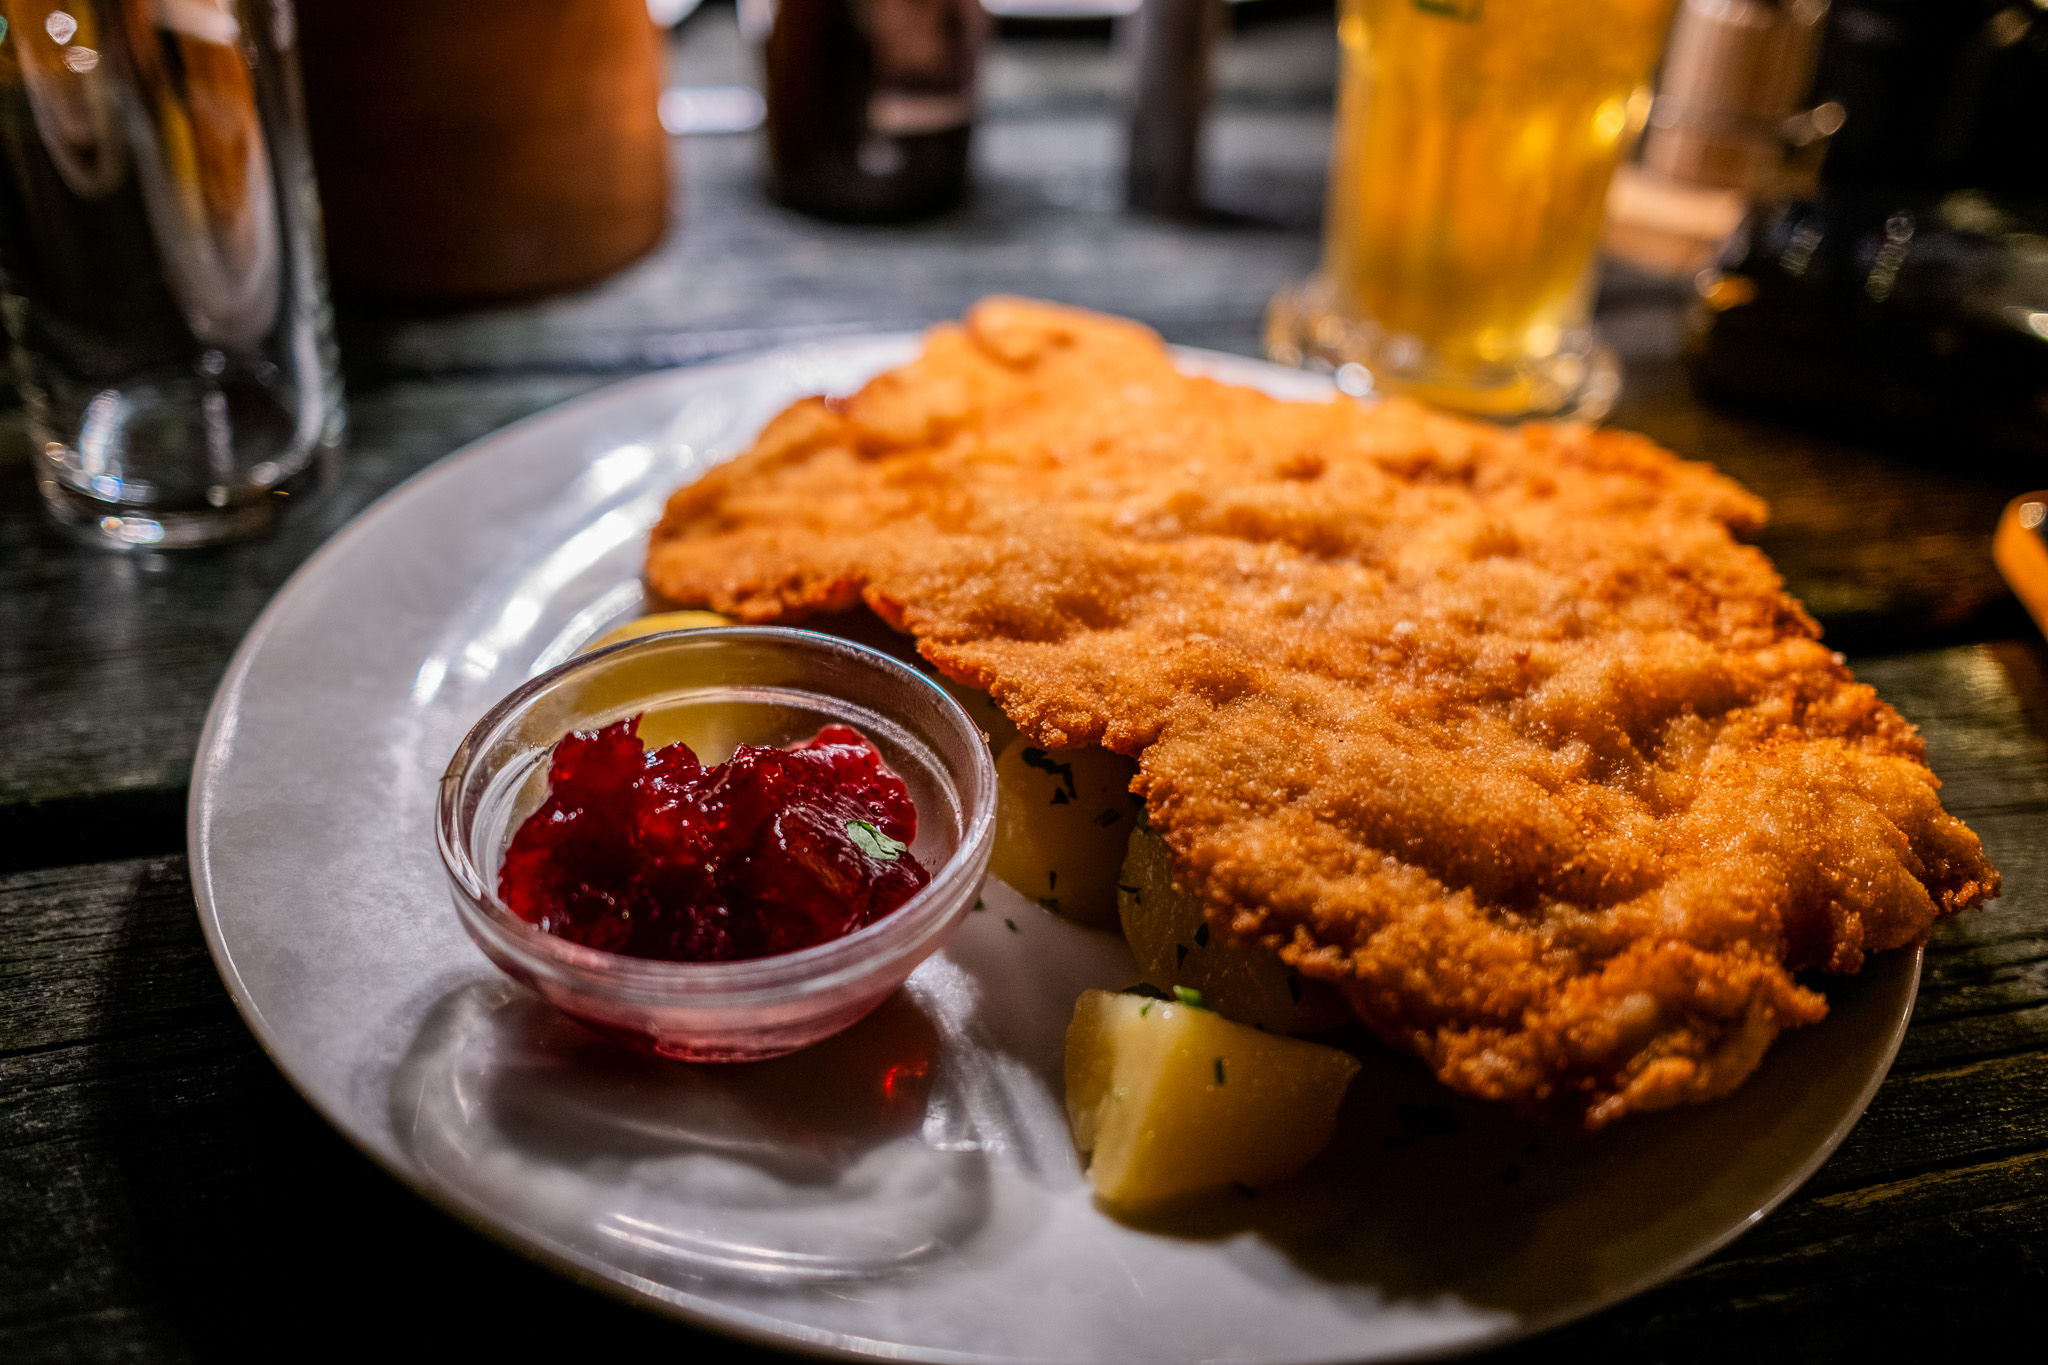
[476,151]
[2020,549]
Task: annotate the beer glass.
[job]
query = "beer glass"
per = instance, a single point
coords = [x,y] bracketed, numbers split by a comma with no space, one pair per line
[160,271]
[1475,140]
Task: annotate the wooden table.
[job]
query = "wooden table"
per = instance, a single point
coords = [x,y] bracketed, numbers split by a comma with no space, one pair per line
[167,1196]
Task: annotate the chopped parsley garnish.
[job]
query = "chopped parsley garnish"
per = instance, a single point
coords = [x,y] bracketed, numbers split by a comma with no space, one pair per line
[874,843]
[1037,758]
[1013,926]
[1190,997]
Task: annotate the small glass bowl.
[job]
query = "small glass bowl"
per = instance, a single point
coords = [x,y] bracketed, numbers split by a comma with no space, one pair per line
[716,688]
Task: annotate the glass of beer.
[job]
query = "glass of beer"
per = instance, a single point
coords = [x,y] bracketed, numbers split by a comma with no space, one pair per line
[1468,184]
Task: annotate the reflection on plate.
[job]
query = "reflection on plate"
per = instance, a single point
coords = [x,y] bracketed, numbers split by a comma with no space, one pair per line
[845,1162]
[908,1188]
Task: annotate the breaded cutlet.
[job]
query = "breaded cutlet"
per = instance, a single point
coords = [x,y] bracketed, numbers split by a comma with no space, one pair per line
[1505,733]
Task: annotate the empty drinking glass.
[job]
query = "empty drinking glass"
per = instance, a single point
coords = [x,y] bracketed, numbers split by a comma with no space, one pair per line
[160,269]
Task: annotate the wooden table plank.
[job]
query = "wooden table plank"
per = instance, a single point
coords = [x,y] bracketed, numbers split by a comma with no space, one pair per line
[108,661]
[1954,1285]
[1888,549]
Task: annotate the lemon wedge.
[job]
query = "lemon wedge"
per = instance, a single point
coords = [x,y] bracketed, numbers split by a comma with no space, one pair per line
[655,625]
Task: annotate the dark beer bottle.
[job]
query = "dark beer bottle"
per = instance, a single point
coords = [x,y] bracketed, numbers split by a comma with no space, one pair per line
[870,104]
[1907,296]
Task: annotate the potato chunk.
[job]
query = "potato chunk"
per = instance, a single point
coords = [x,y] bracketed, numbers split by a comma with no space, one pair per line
[1175,946]
[1063,820]
[1172,1099]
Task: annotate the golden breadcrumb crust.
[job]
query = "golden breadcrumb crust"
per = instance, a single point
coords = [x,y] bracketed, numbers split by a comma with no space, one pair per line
[1503,732]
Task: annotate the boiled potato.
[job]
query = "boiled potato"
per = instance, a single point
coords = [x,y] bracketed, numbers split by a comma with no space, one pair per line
[1172,1099]
[1063,818]
[656,624]
[1175,946]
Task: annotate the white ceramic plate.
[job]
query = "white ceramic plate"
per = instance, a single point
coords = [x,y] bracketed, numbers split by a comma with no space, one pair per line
[907,1190]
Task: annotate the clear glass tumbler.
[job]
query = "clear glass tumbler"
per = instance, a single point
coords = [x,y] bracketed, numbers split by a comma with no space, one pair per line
[160,268]
[1468,188]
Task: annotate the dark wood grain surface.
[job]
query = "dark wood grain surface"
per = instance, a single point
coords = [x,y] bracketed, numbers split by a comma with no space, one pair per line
[164,1195]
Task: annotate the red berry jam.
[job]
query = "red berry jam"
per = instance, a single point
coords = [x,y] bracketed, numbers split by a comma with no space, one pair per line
[656,855]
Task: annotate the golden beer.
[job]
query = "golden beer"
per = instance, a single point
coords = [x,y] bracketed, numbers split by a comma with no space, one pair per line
[1475,141]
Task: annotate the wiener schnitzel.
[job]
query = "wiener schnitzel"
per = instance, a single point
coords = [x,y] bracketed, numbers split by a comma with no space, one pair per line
[1503,732]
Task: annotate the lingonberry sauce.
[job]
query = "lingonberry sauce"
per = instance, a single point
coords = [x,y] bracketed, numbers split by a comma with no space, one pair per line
[655,855]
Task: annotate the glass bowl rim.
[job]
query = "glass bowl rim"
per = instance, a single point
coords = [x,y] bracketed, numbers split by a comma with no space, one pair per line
[657,981]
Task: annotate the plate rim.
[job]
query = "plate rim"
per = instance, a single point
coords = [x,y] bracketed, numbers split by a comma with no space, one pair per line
[1785,1189]
[698,1311]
